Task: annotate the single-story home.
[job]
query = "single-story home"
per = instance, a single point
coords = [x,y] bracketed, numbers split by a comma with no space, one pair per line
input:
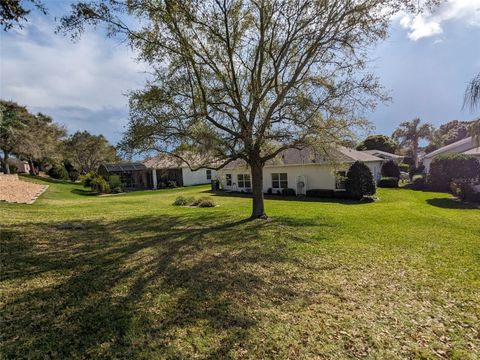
[157,172]
[166,168]
[465,146]
[22,166]
[300,169]
[385,155]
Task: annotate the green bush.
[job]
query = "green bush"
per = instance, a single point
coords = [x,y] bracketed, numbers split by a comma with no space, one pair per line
[288,192]
[183,201]
[87,179]
[73,175]
[464,191]
[404,167]
[269,191]
[341,194]
[388,182]
[171,184]
[204,202]
[446,168]
[100,185]
[390,169]
[115,182]
[59,172]
[359,181]
[320,193]
[416,170]
[418,182]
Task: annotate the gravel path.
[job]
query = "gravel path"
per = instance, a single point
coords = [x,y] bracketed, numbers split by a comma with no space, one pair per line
[14,190]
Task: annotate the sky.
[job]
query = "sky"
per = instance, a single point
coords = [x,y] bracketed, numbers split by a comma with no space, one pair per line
[424,65]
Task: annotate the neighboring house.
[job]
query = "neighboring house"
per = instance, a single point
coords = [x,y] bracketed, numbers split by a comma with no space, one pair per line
[300,170]
[465,146]
[22,167]
[385,155]
[134,176]
[166,168]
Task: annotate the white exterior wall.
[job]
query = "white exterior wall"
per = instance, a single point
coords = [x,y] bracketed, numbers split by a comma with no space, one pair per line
[196,177]
[315,176]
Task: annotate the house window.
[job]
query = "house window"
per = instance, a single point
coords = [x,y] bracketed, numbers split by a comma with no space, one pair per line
[244,181]
[209,174]
[228,177]
[279,181]
[340,177]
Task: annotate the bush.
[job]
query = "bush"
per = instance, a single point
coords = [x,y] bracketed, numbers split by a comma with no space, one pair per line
[390,169]
[418,182]
[183,201]
[73,175]
[404,167]
[388,182]
[288,192]
[340,194]
[58,172]
[115,182]
[100,185]
[204,202]
[320,193]
[87,179]
[269,191]
[416,170]
[171,184]
[359,181]
[444,169]
[464,191]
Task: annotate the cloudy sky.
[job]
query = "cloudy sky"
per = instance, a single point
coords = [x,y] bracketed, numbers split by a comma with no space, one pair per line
[425,65]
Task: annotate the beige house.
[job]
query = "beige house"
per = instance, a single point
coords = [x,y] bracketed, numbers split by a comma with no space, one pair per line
[300,170]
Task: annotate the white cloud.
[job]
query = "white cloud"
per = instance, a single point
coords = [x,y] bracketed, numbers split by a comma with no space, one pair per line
[43,70]
[430,23]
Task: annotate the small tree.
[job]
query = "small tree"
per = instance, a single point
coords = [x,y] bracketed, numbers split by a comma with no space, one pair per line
[409,134]
[391,169]
[359,181]
[378,142]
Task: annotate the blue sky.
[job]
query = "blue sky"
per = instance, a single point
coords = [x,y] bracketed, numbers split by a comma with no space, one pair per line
[425,66]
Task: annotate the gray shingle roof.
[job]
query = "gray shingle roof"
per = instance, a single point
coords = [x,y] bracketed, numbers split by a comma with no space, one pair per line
[118,167]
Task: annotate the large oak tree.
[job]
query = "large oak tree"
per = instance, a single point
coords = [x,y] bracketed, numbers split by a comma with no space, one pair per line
[245,79]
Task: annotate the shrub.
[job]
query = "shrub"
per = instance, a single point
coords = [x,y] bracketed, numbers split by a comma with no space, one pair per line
[320,193]
[388,182]
[444,169]
[390,169]
[416,170]
[204,202]
[359,181]
[171,184]
[340,194]
[100,185]
[404,167]
[418,182]
[58,172]
[269,191]
[183,201]
[288,192]
[464,191]
[87,179]
[73,175]
[115,182]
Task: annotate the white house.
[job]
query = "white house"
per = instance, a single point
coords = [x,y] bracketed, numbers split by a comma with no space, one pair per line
[465,146]
[166,167]
[300,170]
[385,155]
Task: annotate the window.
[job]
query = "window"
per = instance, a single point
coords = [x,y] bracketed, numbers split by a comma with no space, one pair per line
[244,181]
[228,177]
[209,174]
[279,181]
[340,177]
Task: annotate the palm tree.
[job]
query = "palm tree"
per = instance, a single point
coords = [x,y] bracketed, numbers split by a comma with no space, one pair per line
[472,100]
[409,134]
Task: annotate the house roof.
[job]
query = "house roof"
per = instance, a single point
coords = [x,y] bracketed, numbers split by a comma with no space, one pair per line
[464,144]
[135,166]
[381,153]
[473,152]
[308,156]
[167,161]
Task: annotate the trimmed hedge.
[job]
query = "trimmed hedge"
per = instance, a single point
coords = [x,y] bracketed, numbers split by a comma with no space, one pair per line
[404,167]
[418,182]
[288,192]
[388,182]
[464,191]
[359,182]
[320,193]
[446,168]
[390,169]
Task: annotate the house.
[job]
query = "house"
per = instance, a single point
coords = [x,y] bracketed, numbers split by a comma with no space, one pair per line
[465,146]
[134,176]
[165,167]
[300,169]
[385,155]
[20,166]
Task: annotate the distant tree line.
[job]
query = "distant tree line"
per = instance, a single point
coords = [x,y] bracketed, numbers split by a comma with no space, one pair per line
[36,138]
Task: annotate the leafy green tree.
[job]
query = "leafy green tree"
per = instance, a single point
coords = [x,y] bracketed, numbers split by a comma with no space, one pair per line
[87,151]
[15,11]
[245,79]
[378,142]
[359,182]
[409,134]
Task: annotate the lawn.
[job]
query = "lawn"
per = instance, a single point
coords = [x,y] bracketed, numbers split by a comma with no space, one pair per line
[131,276]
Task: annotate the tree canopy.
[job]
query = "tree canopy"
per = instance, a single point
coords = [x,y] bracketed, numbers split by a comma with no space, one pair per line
[14,12]
[378,142]
[409,134]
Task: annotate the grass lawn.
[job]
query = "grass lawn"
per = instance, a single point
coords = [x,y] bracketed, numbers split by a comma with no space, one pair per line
[136,277]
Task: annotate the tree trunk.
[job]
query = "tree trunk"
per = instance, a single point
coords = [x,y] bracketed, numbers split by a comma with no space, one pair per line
[258,207]
[6,166]
[32,169]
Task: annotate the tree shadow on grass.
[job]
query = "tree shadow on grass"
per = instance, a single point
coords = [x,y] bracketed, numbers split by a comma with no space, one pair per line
[83,192]
[171,286]
[450,203]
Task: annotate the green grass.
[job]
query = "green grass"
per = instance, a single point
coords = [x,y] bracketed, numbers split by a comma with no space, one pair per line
[132,276]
